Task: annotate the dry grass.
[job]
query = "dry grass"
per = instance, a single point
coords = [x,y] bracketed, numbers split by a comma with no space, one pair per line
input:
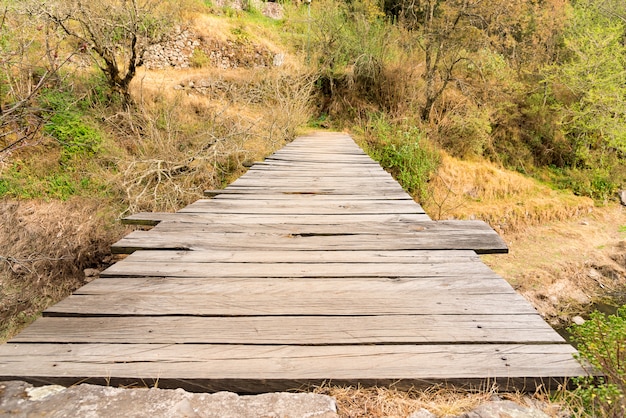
[562,267]
[44,248]
[195,129]
[376,402]
[506,200]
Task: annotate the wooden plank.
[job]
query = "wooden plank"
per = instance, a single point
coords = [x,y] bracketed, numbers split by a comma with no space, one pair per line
[411,229]
[153,218]
[328,287]
[338,175]
[277,257]
[294,330]
[329,191]
[132,268]
[362,303]
[237,194]
[443,240]
[249,368]
[312,208]
[313,183]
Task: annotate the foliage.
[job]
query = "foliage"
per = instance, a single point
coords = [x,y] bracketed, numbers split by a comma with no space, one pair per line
[602,344]
[116,36]
[401,150]
[69,126]
[598,183]
[593,73]
[199,58]
[466,131]
[27,66]
[349,45]
[24,181]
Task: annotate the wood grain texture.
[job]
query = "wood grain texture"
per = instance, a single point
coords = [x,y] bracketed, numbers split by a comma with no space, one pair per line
[301,270]
[217,218]
[192,240]
[293,256]
[311,303]
[313,266]
[290,363]
[293,330]
[278,286]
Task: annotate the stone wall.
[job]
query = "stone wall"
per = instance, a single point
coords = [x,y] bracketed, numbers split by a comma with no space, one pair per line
[178,51]
[175,53]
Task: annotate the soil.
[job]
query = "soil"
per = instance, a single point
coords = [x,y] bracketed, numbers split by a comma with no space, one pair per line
[568,268]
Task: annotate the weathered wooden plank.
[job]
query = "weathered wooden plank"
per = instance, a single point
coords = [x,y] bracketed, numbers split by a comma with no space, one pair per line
[478,228]
[132,268]
[364,257]
[362,303]
[312,208]
[316,183]
[319,190]
[249,368]
[328,287]
[481,243]
[319,168]
[239,194]
[294,330]
[340,176]
[153,218]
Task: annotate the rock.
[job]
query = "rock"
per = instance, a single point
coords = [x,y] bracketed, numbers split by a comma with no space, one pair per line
[273,10]
[422,413]
[37,394]
[102,401]
[578,320]
[91,272]
[279,59]
[503,409]
[622,197]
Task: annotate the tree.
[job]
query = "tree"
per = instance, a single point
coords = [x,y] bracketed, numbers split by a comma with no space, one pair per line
[27,67]
[451,33]
[447,32]
[115,32]
[593,73]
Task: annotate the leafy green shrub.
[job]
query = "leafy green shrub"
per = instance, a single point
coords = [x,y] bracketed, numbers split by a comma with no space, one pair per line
[199,58]
[403,152]
[601,343]
[69,126]
[597,183]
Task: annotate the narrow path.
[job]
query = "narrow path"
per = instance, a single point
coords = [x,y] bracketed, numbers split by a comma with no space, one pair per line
[315,266]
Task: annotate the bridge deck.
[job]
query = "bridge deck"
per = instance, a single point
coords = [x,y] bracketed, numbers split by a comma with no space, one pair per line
[315,266]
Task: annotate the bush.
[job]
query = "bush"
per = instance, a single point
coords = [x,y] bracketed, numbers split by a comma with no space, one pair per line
[402,151]
[68,125]
[599,184]
[601,344]
[199,59]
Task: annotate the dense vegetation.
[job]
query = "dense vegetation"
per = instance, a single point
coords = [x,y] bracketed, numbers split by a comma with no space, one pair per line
[602,344]
[537,86]
[534,86]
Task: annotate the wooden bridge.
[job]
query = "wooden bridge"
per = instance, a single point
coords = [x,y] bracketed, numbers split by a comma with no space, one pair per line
[315,266]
